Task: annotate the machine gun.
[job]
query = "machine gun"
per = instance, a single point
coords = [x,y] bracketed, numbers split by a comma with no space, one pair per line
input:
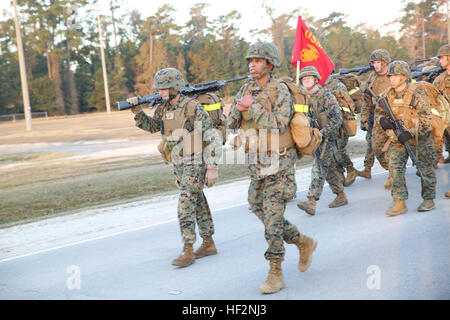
[359,70]
[400,132]
[363,69]
[196,89]
[430,74]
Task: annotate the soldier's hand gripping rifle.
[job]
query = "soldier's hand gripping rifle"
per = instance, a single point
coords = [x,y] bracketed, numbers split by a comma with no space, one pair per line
[200,88]
[400,132]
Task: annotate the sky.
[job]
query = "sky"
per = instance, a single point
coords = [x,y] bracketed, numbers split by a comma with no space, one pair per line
[374,13]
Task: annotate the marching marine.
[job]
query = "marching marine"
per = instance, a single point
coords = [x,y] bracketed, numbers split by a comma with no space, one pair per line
[347,105]
[262,111]
[442,83]
[326,111]
[410,105]
[185,128]
[377,82]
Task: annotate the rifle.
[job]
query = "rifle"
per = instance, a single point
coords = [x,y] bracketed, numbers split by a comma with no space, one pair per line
[430,74]
[359,70]
[411,62]
[200,88]
[400,132]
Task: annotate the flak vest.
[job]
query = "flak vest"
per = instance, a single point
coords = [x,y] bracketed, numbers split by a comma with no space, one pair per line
[174,122]
[380,86]
[267,98]
[442,83]
[322,117]
[403,110]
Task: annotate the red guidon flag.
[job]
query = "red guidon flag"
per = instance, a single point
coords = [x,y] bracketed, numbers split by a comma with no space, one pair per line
[309,52]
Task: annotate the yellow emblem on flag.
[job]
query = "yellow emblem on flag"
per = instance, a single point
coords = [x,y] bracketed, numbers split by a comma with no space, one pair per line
[309,54]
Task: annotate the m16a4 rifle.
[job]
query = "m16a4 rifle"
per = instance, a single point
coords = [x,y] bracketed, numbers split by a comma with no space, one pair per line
[400,132]
[200,88]
[430,74]
[359,70]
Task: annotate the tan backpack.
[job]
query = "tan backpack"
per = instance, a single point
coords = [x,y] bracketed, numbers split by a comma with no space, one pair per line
[353,86]
[349,125]
[439,108]
[307,139]
[213,105]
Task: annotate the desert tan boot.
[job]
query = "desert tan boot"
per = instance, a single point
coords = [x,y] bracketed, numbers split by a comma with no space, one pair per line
[340,200]
[426,205]
[351,176]
[447,194]
[208,248]
[186,257]
[366,173]
[308,206]
[306,247]
[275,281]
[399,207]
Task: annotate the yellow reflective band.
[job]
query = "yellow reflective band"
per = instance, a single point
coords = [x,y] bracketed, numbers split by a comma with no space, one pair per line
[353,91]
[435,112]
[413,80]
[346,109]
[301,108]
[211,107]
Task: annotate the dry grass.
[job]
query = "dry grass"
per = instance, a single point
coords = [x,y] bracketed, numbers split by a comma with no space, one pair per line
[42,185]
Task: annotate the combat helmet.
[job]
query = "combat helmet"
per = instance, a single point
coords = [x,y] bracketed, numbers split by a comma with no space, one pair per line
[168,78]
[380,55]
[264,50]
[444,51]
[309,71]
[399,67]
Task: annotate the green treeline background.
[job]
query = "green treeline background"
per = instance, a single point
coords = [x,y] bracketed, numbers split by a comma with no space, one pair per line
[63,56]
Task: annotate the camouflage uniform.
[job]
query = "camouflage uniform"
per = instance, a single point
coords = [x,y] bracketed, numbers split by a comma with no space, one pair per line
[442,83]
[269,191]
[190,175]
[375,136]
[422,143]
[343,159]
[325,166]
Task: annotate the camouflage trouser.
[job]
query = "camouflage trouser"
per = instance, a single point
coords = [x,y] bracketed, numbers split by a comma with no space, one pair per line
[323,169]
[438,145]
[192,204]
[378,140]
[398,158]
[267,198]
[342,157]
[369,158]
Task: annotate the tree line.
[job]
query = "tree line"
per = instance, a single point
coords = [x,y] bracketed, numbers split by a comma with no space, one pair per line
[62,51]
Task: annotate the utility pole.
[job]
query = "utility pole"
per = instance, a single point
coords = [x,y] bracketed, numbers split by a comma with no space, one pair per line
[105,76]
[23,72]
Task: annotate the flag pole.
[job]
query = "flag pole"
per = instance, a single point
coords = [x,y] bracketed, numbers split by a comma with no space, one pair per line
[298,72]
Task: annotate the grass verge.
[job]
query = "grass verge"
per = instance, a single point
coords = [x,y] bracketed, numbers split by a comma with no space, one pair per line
[37,190]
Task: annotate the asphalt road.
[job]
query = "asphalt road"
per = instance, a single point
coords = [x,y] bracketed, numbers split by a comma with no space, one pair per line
[361,254]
